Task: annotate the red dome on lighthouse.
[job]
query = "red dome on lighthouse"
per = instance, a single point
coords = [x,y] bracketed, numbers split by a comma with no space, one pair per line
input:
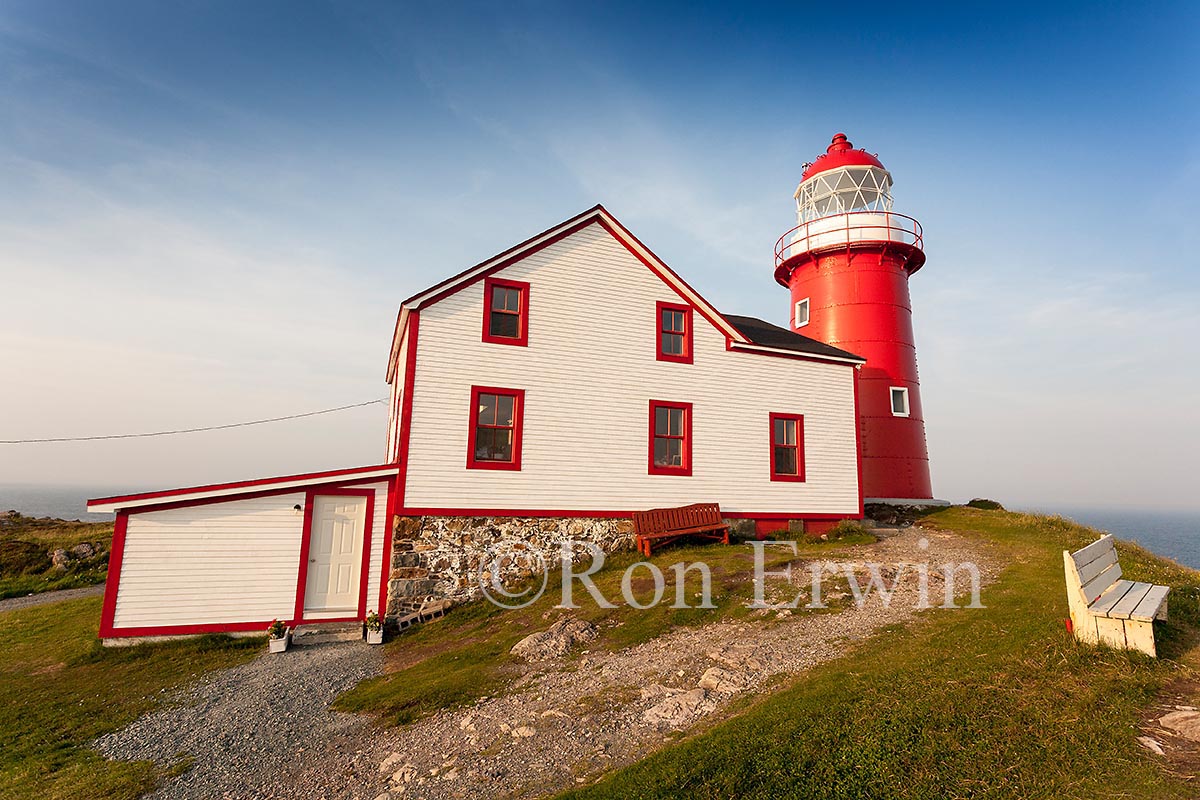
[840,153]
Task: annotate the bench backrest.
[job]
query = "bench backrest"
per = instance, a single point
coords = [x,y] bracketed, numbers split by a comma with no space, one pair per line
[1096,568]
[658,520]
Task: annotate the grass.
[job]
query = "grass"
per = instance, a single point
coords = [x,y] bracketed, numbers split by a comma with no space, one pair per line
[464,657]
[25,547]
[999,702]
[59,689]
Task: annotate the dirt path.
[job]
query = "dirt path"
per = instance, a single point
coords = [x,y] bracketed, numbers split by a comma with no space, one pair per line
[257,732]
[565,725]
[44,598]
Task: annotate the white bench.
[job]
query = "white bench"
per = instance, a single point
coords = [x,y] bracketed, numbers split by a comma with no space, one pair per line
[1106,609]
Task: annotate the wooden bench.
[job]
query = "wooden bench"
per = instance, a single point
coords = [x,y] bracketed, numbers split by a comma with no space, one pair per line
[1106,609]
[665,525]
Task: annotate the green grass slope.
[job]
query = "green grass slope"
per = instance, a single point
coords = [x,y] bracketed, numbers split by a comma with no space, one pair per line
[25,547]
[59,689]
[999,702]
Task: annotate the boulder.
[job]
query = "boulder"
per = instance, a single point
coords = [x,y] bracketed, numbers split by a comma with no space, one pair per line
[723,681]
[60,558]
[83,550]
[1185,723]
[556,641]
[678,710]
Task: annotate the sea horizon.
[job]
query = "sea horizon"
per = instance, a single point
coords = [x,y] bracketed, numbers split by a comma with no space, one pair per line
[1174,533]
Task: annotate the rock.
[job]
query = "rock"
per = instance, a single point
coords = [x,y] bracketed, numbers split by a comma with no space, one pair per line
[678,710]
[60,559]
[383,796]
[390,762]
[524,732]
[404,774]
[656,690]
[1150,744]
[984,504]
[724,681]
[554,712]
[737,657]
[83,550]
[556,641]
[1185,723]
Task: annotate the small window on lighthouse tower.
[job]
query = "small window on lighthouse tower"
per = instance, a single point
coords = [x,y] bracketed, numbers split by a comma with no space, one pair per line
[899,401]
[800,319]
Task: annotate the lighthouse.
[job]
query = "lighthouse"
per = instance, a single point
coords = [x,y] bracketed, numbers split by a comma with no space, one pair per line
[847,264]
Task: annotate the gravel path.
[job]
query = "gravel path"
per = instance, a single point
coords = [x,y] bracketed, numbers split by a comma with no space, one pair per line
[262,730]
[43,598]
[250,727]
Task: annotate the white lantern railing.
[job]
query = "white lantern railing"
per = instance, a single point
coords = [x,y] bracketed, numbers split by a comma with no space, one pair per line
[847,230]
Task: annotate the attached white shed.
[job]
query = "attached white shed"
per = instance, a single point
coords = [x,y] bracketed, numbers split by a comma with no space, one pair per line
[234,557]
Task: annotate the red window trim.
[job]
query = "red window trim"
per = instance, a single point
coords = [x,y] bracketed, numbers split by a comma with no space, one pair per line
[659,308]
[518,396]
[523,339]
[799,419]
[686,469]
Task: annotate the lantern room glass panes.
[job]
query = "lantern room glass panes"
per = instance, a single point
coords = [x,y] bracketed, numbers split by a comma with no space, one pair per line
[672,332]
[495,427]
[670,437]
[845,189]
[504,319]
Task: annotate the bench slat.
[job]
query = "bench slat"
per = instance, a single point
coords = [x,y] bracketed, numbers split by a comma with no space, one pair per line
[1093,551]
[1129,602]
[1090,570]
[1151,603]
[1110,598]
[1097,586]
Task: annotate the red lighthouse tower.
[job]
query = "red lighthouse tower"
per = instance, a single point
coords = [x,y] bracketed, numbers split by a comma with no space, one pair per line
[847,266]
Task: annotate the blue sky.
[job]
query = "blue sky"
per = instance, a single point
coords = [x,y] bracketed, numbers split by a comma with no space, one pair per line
[210,211]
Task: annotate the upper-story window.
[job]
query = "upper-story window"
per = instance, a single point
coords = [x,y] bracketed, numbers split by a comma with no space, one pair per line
[800,315]
[787,447]
[670,438]
[505,311]
[899,401]
[674,333]
[497,416]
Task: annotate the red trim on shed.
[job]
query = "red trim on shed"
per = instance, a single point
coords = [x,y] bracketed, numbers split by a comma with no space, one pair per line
[113,580]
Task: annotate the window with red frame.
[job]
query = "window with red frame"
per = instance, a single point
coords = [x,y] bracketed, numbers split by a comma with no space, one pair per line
[506,311]
[496,420]
[670,438]
[787,447]
[674,332]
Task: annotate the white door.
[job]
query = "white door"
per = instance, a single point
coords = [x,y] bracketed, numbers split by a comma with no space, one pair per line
[335,556]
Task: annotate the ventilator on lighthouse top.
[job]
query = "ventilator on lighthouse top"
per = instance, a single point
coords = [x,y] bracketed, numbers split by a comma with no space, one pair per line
[847,265]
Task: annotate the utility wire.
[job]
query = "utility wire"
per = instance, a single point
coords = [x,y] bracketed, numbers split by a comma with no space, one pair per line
[192,430]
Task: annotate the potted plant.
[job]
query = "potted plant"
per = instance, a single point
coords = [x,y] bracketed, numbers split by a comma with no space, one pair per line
[374,629]
[277,637]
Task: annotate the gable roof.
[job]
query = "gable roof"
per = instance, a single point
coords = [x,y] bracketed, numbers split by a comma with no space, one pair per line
[738,337]
[595,214]
[764,334]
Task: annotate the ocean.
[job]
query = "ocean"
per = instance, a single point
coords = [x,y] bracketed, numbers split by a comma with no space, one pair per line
[1175,534]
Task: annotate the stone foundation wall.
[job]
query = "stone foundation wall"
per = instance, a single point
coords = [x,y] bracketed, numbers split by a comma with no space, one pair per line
[441,556]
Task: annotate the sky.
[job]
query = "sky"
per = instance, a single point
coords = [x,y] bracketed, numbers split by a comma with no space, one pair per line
[210,212]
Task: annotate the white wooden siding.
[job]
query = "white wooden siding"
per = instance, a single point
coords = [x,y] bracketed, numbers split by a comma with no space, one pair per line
[394,399]
[229,562]
[589,373]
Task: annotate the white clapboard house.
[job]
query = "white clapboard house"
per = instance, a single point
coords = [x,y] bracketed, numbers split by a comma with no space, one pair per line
[574,375]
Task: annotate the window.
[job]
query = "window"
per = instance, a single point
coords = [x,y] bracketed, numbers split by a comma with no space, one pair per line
[787,447]
[800,319]
[505,312]
[899,401]
[495,438]
[674,332]
[670,438]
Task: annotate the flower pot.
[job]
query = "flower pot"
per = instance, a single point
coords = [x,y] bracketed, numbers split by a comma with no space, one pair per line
[278,645]
[374,637]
